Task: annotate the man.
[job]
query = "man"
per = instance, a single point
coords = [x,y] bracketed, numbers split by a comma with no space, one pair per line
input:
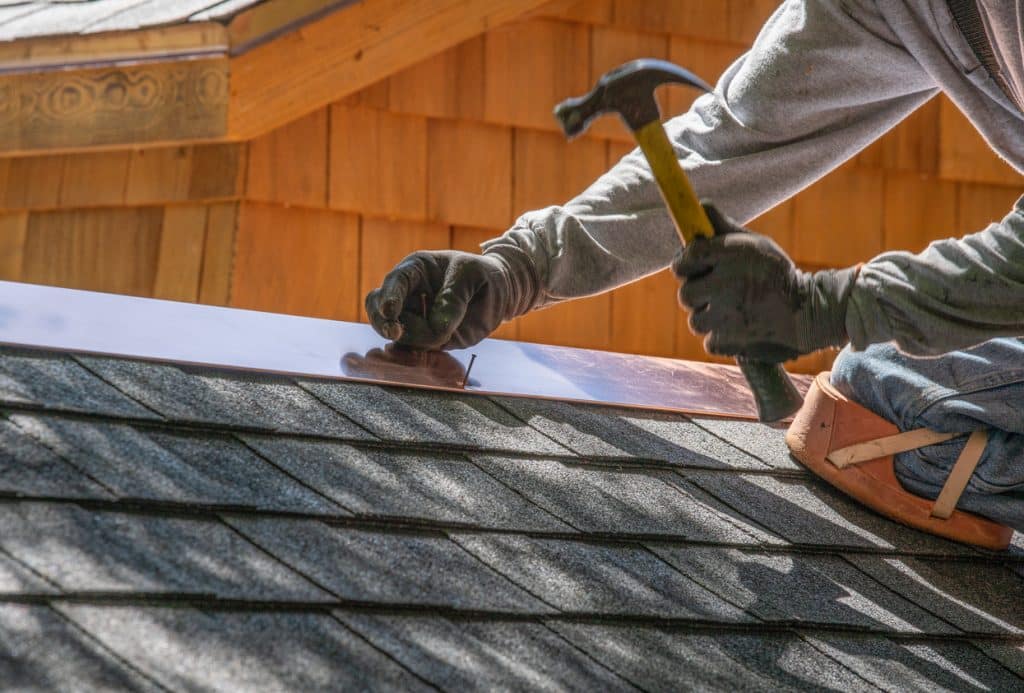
[823,80]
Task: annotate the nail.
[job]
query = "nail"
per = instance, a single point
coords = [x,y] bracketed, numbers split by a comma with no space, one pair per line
[465,380]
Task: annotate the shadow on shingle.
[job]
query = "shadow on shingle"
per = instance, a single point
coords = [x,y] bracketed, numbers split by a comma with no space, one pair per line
[607,500]
[56,381]
[192,650]
[86,551]
[41,651]
[979,597]
[403,414]
[207,396]
[171,467]
[662,660]
[808,511]
[598,431]
[473,655]
[392,568]
[897,666]
[591,578]
[405,484]
[798,587]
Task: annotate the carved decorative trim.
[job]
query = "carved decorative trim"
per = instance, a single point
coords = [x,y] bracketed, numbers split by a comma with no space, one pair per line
[170,102]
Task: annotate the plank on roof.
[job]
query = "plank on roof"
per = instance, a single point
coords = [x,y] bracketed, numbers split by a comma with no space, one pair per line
[62,18]
[153,13]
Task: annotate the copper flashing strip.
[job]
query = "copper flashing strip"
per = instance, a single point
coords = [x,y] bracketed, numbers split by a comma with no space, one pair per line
[88,322]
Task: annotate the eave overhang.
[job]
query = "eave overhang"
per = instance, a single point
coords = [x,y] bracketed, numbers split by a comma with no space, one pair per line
[212,82]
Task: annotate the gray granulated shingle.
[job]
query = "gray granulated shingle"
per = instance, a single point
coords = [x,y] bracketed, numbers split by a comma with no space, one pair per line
[1010,655]
[86,550]
[663,660]
[395,568]
[615,432]
[29,468]
[975,597]
[192,650]
[420,485]
[479,655]
[765,442]
[591,578]
[16,578]
[394,413]
[809,511]
[41,651]
[233,399]
[924,667]
[172,467]
[800,587]
[601,499]
[56,381]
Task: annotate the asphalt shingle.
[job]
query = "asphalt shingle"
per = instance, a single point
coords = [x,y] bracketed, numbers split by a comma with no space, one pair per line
[594,499]
[597,431]
[58,382]
[172,467]
[663,660]
[403,414]
[979,597]
[41,651]
[917,666]
[590,578]
[395,568]
[84,551]
[473,655]
[799,587]
[418,485]
[17,579]
[28,468]
[192,650]
[808,511]
[765,442]
[232,399]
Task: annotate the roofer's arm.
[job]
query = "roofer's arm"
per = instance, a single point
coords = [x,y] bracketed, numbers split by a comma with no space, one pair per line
[822,81]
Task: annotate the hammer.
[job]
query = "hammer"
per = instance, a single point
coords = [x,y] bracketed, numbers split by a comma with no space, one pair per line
[629,91]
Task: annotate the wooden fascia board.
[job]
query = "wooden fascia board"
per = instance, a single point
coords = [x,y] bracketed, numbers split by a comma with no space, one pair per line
[307,69]
[189,83]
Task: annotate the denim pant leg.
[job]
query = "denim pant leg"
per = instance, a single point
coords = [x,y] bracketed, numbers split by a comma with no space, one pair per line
[962,391]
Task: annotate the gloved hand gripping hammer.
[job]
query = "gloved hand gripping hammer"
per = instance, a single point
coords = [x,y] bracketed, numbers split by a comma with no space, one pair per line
[629,91]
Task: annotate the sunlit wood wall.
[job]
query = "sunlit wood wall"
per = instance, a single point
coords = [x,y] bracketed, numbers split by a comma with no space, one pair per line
[445,155]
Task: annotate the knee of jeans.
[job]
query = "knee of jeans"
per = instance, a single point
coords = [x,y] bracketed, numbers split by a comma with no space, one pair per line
[859,375]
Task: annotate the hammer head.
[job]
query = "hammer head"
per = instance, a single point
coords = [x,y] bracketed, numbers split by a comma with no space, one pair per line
[627,90]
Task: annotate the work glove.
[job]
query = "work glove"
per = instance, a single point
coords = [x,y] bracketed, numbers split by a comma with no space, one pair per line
[748,297]
[448,299]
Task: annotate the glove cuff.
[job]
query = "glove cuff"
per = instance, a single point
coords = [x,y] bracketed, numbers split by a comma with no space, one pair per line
[822,320]
[522,282]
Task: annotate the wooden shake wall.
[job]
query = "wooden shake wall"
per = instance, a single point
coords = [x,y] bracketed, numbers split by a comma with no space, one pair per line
[308,218]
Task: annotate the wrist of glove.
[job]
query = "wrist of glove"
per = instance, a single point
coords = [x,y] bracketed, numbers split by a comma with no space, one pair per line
[749,299]
[451,300]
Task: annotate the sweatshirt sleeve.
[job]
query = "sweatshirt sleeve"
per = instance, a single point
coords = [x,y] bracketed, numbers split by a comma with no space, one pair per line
[958,293]
[823,80]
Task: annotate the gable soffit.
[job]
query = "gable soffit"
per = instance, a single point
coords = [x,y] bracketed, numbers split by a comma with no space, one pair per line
[213,77]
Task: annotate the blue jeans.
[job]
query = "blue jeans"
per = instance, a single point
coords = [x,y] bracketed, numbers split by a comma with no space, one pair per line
[961,392]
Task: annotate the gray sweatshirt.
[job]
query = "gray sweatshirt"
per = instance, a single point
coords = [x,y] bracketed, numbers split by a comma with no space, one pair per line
[823,80]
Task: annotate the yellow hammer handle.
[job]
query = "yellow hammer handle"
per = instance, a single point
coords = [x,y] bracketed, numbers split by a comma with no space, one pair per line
[682,202]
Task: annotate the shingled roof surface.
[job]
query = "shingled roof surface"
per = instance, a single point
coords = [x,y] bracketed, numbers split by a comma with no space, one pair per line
[173,528]
[33,18]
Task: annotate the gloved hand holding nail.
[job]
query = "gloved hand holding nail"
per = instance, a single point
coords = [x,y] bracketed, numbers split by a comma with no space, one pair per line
[748,297]
[464,297]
